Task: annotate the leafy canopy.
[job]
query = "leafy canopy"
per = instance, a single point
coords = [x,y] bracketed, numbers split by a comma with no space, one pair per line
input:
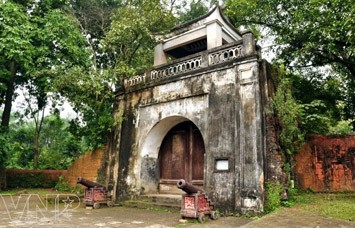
[315,39]
[309,33]
[123,46]
[39,42]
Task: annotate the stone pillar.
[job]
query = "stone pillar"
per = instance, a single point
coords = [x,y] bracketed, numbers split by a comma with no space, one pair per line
[214,35]
[251,139]
[248,43]
[159,55]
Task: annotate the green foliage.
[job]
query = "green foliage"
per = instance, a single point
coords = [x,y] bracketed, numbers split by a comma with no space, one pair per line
[92,96]
[15,33]
[196,9]
[342,128]
[315,39]
[3,149]
[120,48]
[315,118]
[323,105]
[349,101]
[318,32]
[130,39]
[273,196]
[58,147]
[39,41]
[289,114]
[63,186]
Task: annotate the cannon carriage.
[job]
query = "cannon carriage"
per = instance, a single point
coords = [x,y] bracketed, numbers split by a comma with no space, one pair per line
[95,194]
[195,203]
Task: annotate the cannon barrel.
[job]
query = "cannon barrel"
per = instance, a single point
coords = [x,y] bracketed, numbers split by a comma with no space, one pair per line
[187,187]
[87,183]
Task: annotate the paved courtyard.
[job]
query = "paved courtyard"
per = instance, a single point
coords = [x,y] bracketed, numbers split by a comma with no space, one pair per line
[30,211]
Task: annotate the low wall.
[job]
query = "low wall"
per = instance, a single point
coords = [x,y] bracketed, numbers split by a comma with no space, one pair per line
[326,164]
[16,178]
[86,166]
[2,179]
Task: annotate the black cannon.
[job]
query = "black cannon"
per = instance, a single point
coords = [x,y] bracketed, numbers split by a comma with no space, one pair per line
[195,203]
[87,183]
[95,194]
[187,187]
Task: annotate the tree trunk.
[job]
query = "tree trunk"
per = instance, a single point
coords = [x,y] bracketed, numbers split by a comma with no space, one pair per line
[10,90]
[35,149]
[2,97]
[38,128]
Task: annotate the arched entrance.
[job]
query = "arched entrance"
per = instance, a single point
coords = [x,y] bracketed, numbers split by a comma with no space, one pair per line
[181,156]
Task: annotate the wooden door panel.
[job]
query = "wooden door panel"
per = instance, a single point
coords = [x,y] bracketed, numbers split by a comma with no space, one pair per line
[165,158]
[181,157]
[178,156]
[197,156]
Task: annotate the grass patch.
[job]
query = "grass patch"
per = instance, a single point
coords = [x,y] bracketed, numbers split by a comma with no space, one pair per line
[39,191]
[160,209]
[334,205]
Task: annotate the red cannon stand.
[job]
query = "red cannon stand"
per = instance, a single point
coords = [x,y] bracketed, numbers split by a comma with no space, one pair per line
[195,203]
[95,194]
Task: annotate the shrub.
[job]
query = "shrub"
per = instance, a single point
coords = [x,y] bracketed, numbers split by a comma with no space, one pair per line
[273,196]
[32,178]
[342,128]
[63,186]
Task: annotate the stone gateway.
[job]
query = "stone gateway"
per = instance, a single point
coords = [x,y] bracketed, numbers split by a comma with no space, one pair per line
[198,115]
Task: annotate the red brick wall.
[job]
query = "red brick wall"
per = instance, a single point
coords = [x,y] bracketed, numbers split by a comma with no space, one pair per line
[327,164]
[86,166]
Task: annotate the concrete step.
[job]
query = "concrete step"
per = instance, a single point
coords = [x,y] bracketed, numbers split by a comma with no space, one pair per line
[155,201]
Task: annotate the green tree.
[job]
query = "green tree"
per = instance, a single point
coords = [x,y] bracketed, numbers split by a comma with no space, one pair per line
[19,144]
[3,148]
[289,112]
[40,41]
[15,52]
[120,49]
[195,9]
[308,35]
[95,18]
[322,103]
[57,145]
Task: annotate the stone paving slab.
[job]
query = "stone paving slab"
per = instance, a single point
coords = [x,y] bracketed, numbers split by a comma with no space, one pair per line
[297,218]
[69,214]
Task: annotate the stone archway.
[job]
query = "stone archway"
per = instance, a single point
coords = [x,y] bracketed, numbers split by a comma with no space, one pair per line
[181,156]
[150,172]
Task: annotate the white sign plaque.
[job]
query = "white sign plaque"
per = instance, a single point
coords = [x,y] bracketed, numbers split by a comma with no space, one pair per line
[222,164]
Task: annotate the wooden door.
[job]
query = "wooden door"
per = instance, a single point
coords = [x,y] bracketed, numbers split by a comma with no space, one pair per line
[181,157]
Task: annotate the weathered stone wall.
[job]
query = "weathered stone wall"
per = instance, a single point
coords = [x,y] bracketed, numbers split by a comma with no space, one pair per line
[226,103]
[327,164]
[86,166]
[275,157]
[224,92]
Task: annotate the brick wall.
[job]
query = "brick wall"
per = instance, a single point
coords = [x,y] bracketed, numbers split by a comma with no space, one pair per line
[327,164]
[86,166]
